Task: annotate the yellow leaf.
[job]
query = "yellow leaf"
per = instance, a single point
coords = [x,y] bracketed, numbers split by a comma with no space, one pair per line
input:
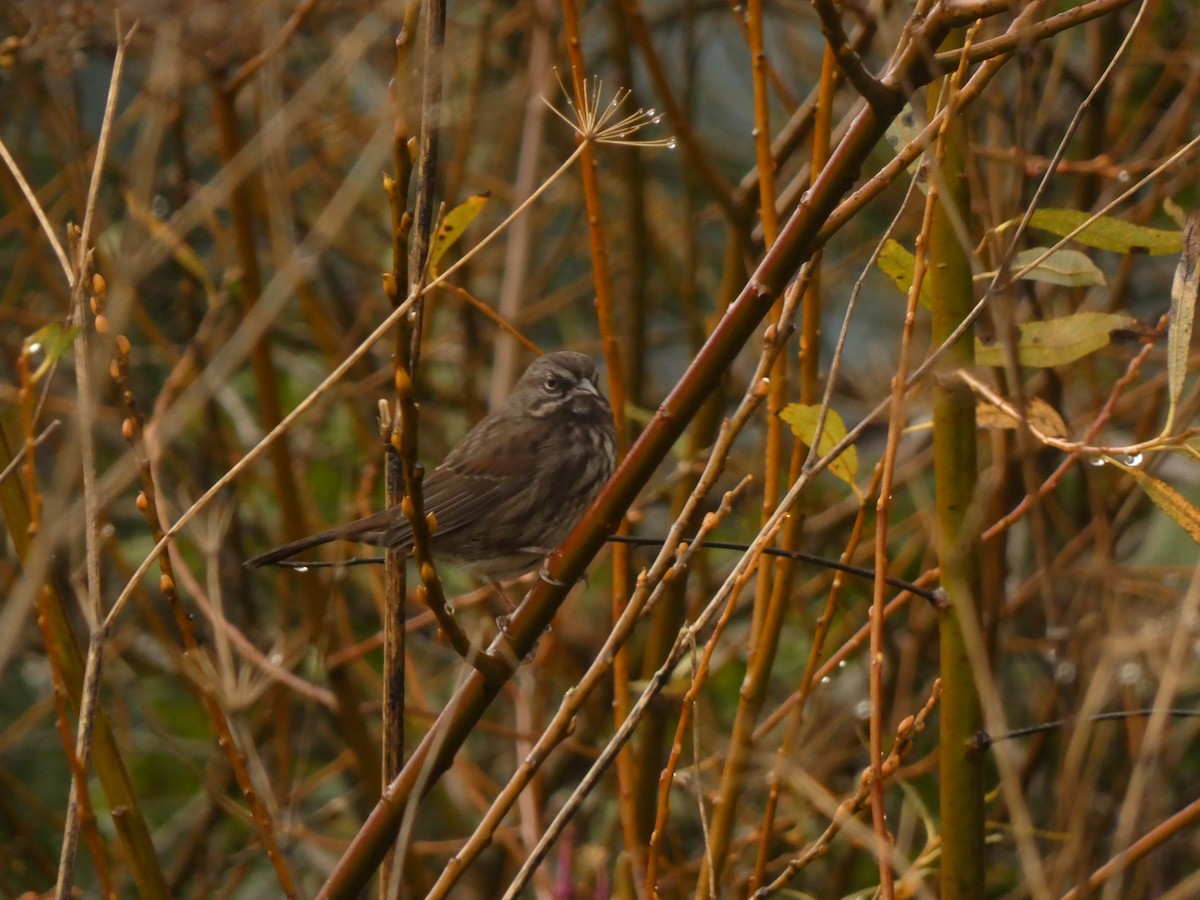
[897,264]
[1107,232]
[453,226]
[1057,342]
[802,419]
[1166,498]
[1066,267]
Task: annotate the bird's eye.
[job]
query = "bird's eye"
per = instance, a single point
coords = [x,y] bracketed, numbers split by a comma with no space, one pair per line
[554,384]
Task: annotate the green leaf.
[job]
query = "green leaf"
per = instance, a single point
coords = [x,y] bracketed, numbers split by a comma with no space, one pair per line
[1066,267]
[802,419]
[898,264]
[1166,498]
[453,226]
[51,341]
[1058,341]
[1184,291]
[1108,233]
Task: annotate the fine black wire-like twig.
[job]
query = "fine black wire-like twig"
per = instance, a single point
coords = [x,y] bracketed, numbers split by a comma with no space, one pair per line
[981,740]
[797,555]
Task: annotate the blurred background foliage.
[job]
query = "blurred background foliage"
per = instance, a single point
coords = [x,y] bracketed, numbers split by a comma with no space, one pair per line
[242,228]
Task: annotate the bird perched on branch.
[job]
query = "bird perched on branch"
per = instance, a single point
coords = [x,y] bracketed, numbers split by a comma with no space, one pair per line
[516,484]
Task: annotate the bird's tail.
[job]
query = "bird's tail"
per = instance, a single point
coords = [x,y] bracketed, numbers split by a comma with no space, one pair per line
[369,530]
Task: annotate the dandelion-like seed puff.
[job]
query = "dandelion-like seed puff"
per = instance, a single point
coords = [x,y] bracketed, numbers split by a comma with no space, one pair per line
[599,124]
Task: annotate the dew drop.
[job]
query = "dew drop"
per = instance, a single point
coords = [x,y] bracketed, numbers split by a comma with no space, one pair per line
[825,680]
[301,568]
[1129,673]
[862,709]
[671,144]
[1123,176]
[1064,672]
[35,347]
[448,609]
[842,664]
[1096,461]
[1133,459]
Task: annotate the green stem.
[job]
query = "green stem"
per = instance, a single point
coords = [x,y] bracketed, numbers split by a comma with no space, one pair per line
[957,539]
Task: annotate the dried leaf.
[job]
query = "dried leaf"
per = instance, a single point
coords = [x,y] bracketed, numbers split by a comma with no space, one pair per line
[1184,292]
[1108,233]
[1066,267]
[1166,498]
[802,418]
[1058,341]
[1042,417]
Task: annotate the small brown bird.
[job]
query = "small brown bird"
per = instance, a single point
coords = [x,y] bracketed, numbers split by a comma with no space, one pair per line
[516,484]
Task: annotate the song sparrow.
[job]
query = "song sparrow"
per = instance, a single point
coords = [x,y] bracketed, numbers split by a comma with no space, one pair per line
[513,488]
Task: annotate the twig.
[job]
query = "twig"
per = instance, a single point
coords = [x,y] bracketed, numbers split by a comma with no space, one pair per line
[94,608]
[602,280]
[49,430]
[906,733]
[351,359]
[797,555]
[882,514]
[395,576]
[1153,839]
[680,122]
[873,91]
[985,741]
[1016,38]
[723,604]
[47,229]
[147,503]
[650,586]
[247,69]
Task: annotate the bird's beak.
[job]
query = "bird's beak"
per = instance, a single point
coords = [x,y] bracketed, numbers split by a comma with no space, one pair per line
[587,386]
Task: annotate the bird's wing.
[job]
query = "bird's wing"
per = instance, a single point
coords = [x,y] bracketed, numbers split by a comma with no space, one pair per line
[490,465]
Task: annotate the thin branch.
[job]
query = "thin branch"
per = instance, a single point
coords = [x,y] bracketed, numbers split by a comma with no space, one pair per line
[47,229]
[94,609]
[382,329]
[875,92]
